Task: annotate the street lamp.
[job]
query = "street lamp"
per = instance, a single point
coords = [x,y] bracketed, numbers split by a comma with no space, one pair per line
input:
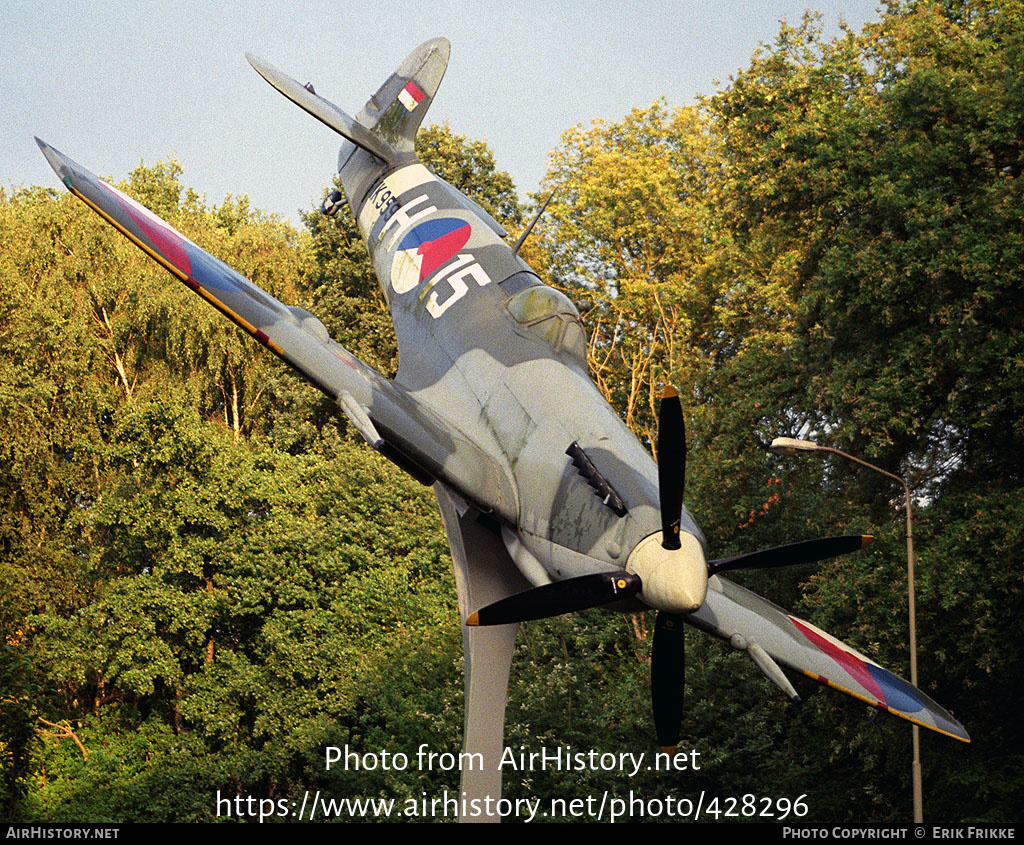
[793,447]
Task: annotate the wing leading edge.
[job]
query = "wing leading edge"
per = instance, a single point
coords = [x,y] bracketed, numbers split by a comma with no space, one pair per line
[389,417]
[742,617]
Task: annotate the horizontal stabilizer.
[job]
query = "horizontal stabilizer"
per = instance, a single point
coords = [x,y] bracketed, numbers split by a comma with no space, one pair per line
[323,110]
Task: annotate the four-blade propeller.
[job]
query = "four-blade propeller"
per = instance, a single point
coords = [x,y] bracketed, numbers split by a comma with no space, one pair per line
[667,649]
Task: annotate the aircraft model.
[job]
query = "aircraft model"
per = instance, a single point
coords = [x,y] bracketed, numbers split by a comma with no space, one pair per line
[549,507]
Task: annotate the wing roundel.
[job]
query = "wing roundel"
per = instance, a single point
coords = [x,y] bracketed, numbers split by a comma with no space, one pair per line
[740,616]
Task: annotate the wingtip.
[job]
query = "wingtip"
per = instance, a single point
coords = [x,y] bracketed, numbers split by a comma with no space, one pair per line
[866,540]
[473,620]
[669,392]
[55,159]
[954,731]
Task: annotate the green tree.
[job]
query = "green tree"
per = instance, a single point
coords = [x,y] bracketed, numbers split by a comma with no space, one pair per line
[628,234]
[879,169]
[203,584]
[853,276]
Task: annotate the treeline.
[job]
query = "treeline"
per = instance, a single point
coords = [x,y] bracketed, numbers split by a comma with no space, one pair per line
[205,578]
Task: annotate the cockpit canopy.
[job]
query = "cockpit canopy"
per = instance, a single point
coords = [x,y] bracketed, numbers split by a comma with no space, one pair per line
[546,314]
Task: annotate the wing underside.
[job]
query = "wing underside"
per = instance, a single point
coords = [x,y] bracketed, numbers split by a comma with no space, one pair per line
[731,610]
[409,431]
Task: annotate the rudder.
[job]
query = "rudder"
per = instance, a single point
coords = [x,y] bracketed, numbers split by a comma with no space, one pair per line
[396,111]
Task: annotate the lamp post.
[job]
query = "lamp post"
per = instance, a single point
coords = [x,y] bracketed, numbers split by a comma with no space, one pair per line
[792,446]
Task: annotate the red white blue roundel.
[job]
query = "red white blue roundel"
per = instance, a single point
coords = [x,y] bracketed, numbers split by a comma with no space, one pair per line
[426,248]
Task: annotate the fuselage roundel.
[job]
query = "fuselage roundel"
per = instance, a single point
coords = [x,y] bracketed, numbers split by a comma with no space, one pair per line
[429,246]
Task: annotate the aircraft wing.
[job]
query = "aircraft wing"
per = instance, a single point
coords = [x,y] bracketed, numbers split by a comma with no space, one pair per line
[390,418]
[732,610]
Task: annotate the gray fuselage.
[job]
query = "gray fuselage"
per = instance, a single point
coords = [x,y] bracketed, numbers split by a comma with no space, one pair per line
[502,359]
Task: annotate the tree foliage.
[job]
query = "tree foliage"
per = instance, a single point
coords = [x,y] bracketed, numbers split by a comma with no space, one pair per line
[843,257]
[204,581]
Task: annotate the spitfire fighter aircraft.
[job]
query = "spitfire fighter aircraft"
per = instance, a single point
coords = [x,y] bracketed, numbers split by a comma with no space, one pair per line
[549,507]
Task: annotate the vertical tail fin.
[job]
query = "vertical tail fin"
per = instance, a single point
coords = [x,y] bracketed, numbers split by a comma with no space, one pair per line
[396,111]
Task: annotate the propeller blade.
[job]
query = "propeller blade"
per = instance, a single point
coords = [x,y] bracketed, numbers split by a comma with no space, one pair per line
[808,551]
[671,465]
[560,597]
[668,660]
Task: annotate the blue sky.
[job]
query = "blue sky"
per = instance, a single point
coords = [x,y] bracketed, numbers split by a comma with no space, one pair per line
[113,83]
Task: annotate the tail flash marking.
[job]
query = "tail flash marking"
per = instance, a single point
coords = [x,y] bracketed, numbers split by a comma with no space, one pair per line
[410,96]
